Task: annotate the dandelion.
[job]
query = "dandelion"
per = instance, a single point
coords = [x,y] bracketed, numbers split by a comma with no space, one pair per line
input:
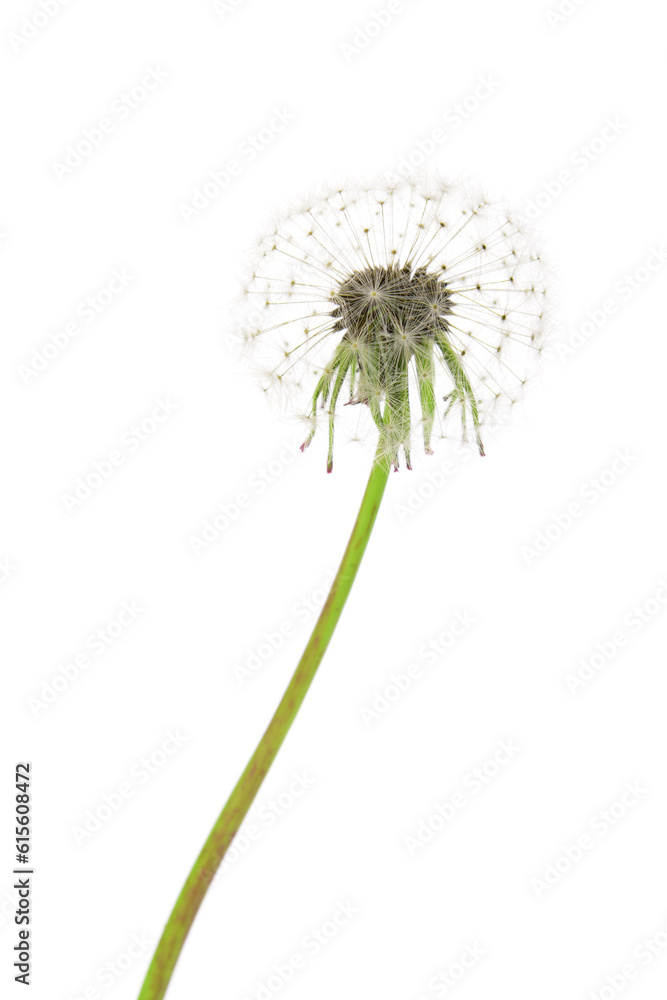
[415,308]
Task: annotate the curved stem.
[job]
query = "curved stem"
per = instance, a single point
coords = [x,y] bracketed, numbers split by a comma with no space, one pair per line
[230,819]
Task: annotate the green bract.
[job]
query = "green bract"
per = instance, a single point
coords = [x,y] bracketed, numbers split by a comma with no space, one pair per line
[393,319]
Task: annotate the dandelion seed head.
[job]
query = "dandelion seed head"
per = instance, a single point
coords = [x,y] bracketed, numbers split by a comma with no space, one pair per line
[415,308]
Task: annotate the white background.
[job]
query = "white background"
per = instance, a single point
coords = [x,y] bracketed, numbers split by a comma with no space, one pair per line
[465,550]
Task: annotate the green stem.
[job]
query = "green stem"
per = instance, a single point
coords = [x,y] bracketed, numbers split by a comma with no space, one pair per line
[229,821]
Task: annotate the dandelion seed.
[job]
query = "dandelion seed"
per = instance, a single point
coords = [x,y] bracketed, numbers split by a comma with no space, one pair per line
[414,305]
